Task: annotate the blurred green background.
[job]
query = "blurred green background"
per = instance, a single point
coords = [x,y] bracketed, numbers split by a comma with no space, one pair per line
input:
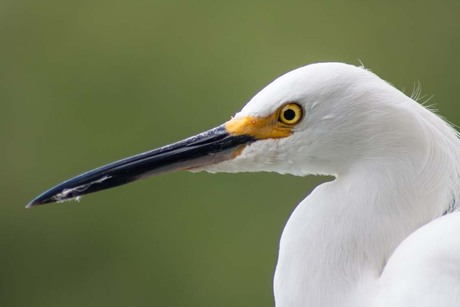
[83,83]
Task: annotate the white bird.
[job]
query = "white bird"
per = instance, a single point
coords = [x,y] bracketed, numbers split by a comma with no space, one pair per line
[384,233]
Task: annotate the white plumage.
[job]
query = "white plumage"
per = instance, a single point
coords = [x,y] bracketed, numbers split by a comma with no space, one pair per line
[384,233]
[360,240]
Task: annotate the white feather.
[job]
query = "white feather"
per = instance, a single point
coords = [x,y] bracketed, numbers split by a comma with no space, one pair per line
[360,240]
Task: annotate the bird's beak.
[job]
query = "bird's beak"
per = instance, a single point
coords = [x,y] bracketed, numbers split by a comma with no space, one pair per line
[213,146]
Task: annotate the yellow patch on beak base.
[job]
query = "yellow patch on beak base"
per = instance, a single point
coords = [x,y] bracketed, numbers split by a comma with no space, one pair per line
[259,127]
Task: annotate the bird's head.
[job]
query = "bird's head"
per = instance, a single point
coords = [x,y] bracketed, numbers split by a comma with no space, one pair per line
[317,119]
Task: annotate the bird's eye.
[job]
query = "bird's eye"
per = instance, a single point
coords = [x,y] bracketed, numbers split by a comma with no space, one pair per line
[290,114]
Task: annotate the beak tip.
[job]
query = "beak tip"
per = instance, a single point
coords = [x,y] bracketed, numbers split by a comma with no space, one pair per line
[34,203]
[31,204]
[38,201]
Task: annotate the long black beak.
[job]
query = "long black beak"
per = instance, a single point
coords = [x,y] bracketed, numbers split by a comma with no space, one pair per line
[210,147]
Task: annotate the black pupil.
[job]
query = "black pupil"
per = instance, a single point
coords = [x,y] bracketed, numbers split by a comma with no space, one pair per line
[289,114]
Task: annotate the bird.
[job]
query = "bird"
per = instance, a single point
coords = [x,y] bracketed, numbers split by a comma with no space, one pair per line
[385,232]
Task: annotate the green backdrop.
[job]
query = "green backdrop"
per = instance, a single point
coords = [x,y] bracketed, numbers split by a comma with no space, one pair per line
[83,83]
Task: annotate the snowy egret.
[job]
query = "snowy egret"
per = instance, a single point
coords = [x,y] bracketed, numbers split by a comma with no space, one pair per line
[384,233]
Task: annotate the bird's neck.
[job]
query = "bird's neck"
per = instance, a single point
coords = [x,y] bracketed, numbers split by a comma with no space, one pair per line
[337,241]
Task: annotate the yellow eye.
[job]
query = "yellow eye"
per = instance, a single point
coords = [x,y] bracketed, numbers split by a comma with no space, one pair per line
[290,114]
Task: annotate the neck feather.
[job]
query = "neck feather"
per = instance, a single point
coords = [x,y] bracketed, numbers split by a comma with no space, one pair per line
[337,241]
